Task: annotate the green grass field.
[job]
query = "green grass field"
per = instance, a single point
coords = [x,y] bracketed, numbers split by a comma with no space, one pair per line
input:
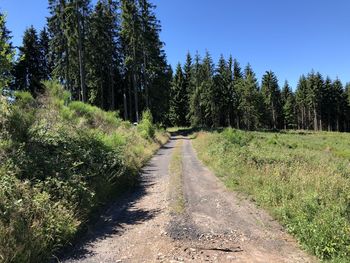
[302,178]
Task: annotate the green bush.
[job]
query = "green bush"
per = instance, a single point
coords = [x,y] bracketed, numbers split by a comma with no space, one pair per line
[146,126]
[60,161]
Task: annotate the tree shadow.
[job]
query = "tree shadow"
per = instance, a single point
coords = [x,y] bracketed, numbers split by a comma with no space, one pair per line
[115,219]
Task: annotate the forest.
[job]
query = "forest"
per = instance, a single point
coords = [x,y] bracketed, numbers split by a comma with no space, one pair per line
[84,103]
[110,55]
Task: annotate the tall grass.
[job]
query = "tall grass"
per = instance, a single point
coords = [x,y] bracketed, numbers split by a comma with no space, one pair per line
[302,178]
[59,162]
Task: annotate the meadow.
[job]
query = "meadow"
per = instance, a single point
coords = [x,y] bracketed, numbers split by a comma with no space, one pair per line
[302,178]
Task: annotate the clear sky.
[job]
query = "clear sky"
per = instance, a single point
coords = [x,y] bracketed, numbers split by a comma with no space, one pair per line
[289,37]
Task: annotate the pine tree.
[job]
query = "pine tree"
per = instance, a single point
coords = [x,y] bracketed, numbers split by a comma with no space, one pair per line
[28,73]
[45,63]
[288,107]
[314,98]
[302,105]
[130,37]
[249,99]
[189,85]
[178,101]
[154,74]
[209,107]
[272,98]
[237,82]
[103,55]
[68,26]
[6,53]
[222,92]
[339,103]
[195,110]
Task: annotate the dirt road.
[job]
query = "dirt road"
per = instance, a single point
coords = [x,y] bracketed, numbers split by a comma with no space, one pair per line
[215,226]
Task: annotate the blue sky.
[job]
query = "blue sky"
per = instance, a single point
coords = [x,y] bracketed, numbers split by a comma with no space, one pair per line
[289,37]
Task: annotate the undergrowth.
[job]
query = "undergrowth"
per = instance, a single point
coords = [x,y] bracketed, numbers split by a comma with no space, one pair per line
[60,161]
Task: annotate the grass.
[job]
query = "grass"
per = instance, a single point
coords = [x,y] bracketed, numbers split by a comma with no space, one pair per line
[177,201]
[60,162]
[302,178]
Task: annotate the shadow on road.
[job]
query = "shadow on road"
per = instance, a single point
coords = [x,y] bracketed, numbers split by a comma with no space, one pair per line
[116,218]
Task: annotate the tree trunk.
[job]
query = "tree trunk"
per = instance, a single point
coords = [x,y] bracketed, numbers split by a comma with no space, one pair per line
[135,97]
[130,99]
[111,83]
[315,119]
[81,57]
[125,107]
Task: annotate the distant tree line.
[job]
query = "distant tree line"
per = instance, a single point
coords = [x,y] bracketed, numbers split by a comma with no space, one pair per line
[109,55]
[203,94]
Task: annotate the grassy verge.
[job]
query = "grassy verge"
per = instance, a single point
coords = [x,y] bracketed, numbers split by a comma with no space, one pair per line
[301,178]
[177,202]
[60,161]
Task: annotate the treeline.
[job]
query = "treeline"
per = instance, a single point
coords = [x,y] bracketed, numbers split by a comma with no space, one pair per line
[203,94]
[109,55]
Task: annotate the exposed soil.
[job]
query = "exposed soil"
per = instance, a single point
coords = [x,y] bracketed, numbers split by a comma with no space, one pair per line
[216,225]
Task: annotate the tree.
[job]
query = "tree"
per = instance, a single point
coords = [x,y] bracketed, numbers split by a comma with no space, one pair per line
[223,96]
[301,101]
[288,107]
[178,101]
[6,53]
[28,71]
[45,63]
[237,82]
[249,99]
[338,103]
[130,38]
[68,24]
[195,109]
[189,85]
[272,98]
[314,98]
[103,61]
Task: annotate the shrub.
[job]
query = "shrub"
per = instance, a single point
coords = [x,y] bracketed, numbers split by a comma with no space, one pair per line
[146,127]
[60,161]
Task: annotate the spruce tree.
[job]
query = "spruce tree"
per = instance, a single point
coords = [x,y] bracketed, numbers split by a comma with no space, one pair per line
[130,39]
[249,99]
[288,107]
[272,98]
[28,73]
[237,82]
[178,102]
[189,85]
[103,55]
[45,63]
[302,104]
[6,54]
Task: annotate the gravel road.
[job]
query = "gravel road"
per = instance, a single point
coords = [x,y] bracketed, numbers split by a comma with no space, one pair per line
[216,225]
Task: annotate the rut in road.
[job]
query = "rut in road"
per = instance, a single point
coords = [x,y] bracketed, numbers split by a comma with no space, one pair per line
[215,226]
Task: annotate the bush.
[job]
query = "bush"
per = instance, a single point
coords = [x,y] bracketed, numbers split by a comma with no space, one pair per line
[146,127]
[60,161]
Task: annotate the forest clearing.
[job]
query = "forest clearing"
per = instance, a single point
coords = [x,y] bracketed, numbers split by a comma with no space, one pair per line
[174,131]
